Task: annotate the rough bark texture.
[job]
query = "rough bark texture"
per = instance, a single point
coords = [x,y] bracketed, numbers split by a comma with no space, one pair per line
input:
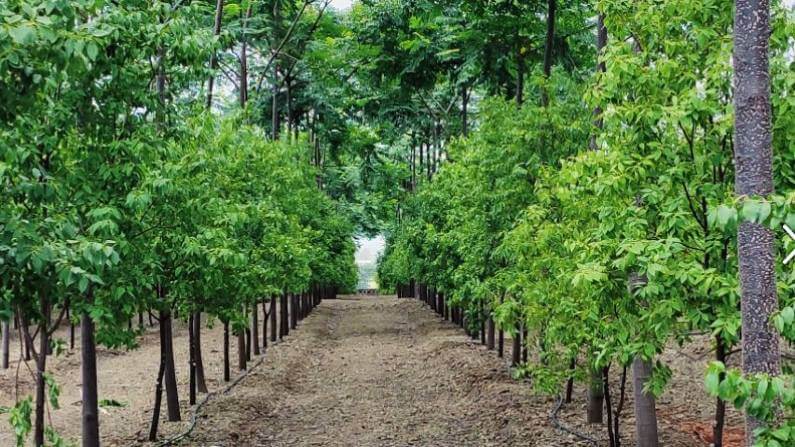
[596,399]
[170,374]
[219,14]
[201,382]
[227,373]
[90,408]
[273,318]
[645,407]
[6,338]
[753,160]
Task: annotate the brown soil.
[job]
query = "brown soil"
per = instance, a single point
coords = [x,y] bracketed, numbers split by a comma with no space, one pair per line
[364,371]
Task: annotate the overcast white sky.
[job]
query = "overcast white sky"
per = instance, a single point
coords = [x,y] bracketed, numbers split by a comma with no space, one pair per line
[341,4]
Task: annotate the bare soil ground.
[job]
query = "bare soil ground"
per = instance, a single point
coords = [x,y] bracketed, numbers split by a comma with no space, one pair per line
[363,371]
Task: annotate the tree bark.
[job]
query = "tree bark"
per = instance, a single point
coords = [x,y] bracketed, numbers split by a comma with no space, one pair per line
[548,47]
[596,398]
[273,318]
[88,366]
[264,326]
[191,362]
[720,405]
[645,408]
[517,347]
[601,43]
[41,368]
[753,160]
[241,350]
[201,381]
[227,373]
[6,342]
[158,399]
[170,374]
[255,328]
[219,14]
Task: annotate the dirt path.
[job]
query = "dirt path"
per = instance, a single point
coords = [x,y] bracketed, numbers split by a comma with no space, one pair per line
[361,371]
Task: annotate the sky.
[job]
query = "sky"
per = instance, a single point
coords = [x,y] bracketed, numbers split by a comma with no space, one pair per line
[341,5]
[369,249]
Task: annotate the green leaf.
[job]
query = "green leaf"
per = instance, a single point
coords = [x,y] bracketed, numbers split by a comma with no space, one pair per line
[23,34]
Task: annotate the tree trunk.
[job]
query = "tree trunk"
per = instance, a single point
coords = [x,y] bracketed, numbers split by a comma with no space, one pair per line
[645,409]
[170,374]
[490,332]
[548,47]
[6,338]
[517,347]
[753,160]
[596,398]
[88,365]
[201,382]
[519,76]
[273,318]
[601,43]
[41,368]
[241,350]
[227,373]
[720,405]
[255,328]
[219,14]
[158,399]
[191,362]
[264,326]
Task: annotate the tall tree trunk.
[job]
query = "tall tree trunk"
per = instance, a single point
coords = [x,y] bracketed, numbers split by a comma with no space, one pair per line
[601,43]
[241,350]
[227,372]
[201,381]
[255,328]
[170,374]
[6,342]
[158,399]
[273,318]
[753,160]
[645,408]
[264,326]
[720,405]
[88,365]
[520,76]
[517,347]
[548,48]
[41,368]
[219,14]
[191,362]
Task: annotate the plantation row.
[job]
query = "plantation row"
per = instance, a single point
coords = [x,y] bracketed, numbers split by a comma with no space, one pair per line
[124,195]
[602,215]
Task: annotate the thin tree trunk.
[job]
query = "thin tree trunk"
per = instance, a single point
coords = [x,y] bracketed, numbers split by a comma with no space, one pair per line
[720,405]
[517,347]
[167,347]
[241,350]
[753,160]
[6,341]
[519,76]
[158,400]
[201,381]
[264,326]
[273,318]
[227,373]
[601,43]
[219,14]
[191,362]
[41,368]
[255,328]
[548,47]
[88,366]
[645,409]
